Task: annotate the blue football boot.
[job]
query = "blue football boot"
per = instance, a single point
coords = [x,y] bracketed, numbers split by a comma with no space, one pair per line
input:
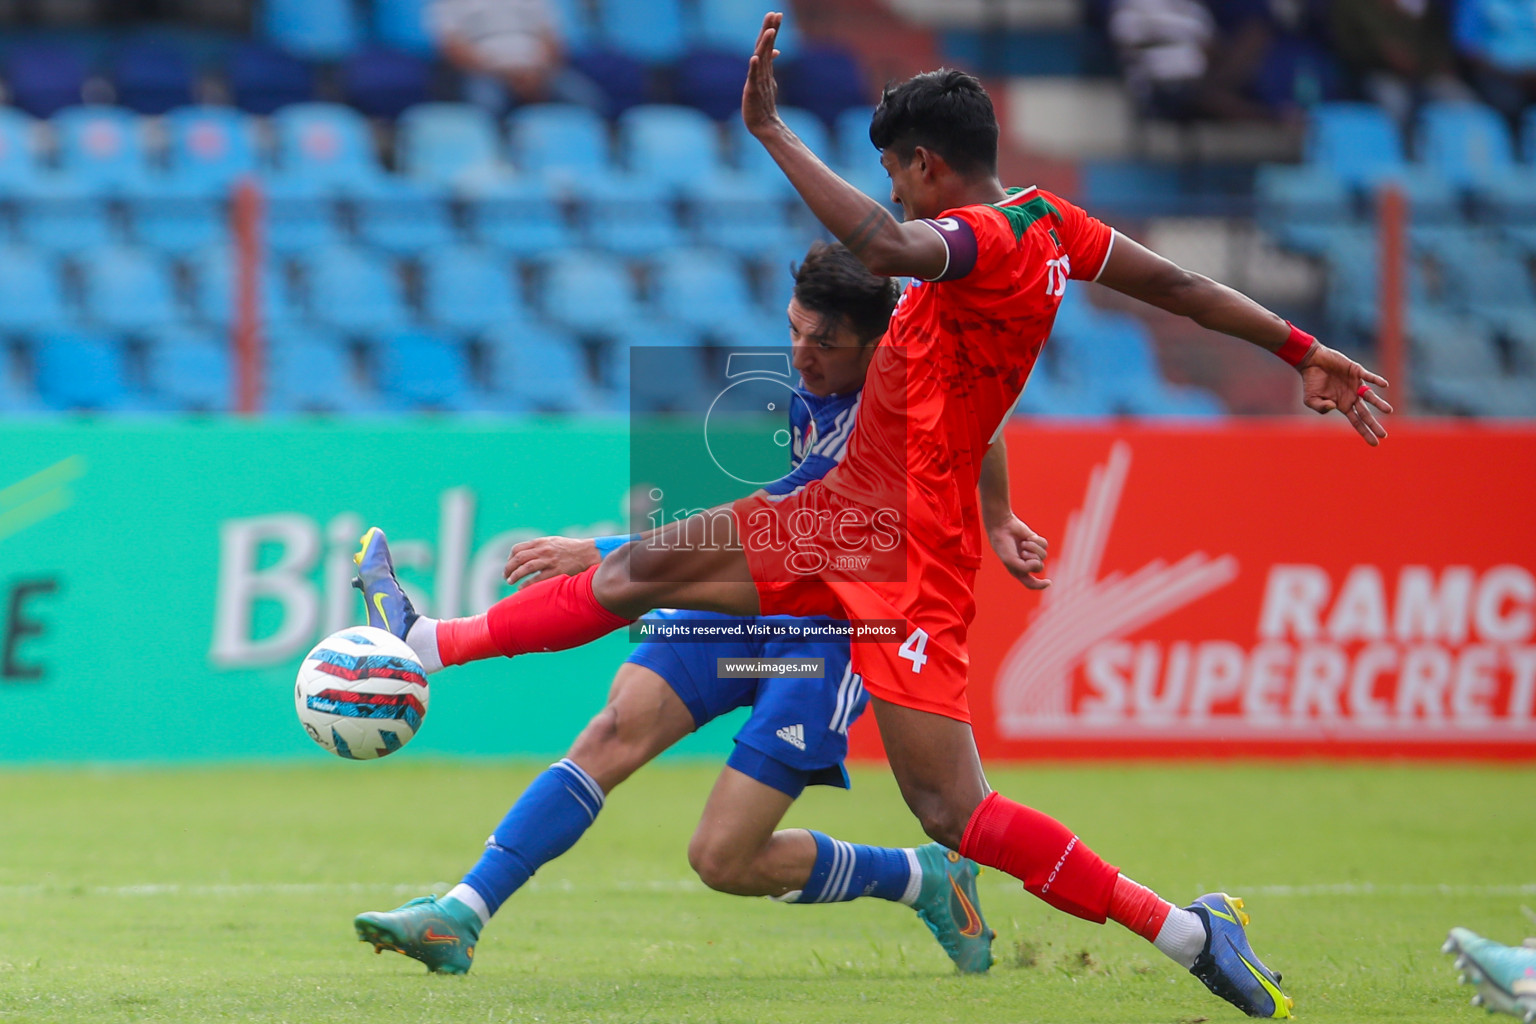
[1228,965]
[441,933]
[1505,976]
[948,905]
[388,607]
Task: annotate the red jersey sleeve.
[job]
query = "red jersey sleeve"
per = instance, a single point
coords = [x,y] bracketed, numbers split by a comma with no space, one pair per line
[1088,240]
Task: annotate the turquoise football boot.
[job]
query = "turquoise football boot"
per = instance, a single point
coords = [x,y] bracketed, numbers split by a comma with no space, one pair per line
[388,607]
[1228,965]
[948,905]
[441,933]
[1505,976]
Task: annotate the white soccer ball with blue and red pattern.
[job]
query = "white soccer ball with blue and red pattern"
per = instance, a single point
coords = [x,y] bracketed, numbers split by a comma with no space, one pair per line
[361,693]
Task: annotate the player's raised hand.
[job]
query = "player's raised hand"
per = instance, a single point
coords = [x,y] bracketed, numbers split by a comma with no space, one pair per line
[1021,550]
[547,557]
[760,96]
[1331,380]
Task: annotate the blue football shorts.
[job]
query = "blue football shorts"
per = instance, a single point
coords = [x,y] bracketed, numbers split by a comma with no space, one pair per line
[797,734]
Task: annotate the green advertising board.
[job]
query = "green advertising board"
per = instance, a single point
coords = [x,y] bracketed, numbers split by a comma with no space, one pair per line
[161,581]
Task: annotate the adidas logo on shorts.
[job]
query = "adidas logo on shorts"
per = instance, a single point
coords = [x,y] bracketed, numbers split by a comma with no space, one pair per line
[794,735]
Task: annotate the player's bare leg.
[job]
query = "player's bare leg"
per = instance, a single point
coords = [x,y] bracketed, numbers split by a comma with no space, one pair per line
[935,762]
[695,563]
[643,717]
[736,849]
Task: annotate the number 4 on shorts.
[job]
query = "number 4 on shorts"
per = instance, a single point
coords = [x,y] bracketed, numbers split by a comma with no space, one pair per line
[912,649]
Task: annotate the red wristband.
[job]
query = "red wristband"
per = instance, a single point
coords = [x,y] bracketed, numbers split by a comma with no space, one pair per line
[1296,346]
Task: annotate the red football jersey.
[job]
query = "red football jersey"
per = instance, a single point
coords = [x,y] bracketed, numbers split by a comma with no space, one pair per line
[955,359]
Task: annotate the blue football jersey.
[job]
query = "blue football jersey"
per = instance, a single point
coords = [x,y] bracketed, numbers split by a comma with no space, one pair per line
[818,428]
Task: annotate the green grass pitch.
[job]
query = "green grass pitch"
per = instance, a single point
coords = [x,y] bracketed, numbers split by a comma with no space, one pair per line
[226,894]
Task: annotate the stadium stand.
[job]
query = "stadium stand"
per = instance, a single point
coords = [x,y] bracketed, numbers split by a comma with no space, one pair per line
[434,237]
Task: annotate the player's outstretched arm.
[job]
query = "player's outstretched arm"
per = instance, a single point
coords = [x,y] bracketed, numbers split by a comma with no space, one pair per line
[1021,550]
[1330,380]
[883,244]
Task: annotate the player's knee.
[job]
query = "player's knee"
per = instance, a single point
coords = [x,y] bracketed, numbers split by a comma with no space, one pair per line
[942,820]
[716,866]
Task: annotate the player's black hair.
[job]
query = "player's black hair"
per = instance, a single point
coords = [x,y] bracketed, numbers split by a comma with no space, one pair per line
[833,284]
[946,111]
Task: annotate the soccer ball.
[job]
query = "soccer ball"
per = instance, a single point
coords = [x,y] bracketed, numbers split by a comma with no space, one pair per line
[361,693]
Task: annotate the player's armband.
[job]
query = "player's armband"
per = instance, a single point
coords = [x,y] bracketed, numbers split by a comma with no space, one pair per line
[959,245]
[608,545]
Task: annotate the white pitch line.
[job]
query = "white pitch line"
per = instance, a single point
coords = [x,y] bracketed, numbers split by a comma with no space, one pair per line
[691,885]
[679,885]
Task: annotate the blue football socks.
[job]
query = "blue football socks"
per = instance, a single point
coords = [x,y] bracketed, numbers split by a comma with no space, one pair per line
[845,871]
[553,812]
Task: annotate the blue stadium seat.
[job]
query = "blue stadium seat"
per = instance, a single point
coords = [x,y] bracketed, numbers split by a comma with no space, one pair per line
[623,79]
[209,145]
[1354,281]
[312,29]
[18,149]
[1356,141]
[676,145]
[424,371]
[535,368]
[263,79]
[733,25]
[851,130]
[1456,368]
[301,214]
[826,80]
[589,292]
[654,31]
[189,370]
[630,216]
[740,215]
[212,291]
[384,83]
[707,290]
[127,289]
[177,216]
[711,81]
[84,372]
[100,146]
[559,139]
[324,142]
[1112,355]
[312,371]
[656,381]
[521,216]
[17,396]
[402,24]
[400,216]
[31,291]
[152,75]
[469,290]
[44,78]
[575,23]
[753,160]
[353,290]
[63,215]
[447,143]
[1466,143]
[1048,396]
[1303,207]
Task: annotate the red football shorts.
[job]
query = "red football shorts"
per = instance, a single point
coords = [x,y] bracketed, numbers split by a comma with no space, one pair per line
[815,552]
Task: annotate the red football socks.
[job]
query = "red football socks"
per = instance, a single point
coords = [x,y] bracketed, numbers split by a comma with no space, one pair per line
[551,615]
[1043,853]
[1138,908]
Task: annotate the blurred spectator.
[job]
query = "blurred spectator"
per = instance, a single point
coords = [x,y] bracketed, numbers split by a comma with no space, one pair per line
[1165,49]
[1275,52]
[510,52]
[1399,51]
[1498,38]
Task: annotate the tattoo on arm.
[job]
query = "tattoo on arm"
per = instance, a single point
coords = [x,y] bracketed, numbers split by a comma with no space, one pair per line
[858,240]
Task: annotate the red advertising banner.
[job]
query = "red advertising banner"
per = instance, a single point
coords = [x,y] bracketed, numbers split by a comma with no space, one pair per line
[1269,589]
